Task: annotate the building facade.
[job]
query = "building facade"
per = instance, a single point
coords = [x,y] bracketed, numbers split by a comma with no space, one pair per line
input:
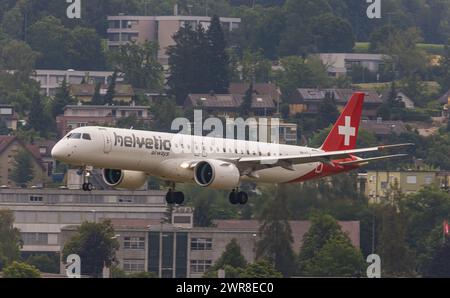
[378,185]
[339,64]
[40,214]
[181,250]
[9,116]
[51,80]
[88,115]
[10,146]
[124,29]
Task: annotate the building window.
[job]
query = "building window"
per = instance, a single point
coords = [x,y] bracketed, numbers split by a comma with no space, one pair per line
[428,180]
[35,199]
[130,265]
[200,266]
[35,238]
[384,185]
[201,244]
[134,242]
[411,180]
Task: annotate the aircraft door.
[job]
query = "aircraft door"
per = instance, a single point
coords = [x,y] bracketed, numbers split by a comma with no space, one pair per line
[107,141]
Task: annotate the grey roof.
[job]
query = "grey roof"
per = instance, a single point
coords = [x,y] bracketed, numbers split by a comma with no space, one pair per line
[231,101]
[339,95]
[268,89]
[384,127]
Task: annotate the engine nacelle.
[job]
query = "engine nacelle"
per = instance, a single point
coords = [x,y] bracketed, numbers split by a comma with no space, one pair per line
[217,174]
[124,179]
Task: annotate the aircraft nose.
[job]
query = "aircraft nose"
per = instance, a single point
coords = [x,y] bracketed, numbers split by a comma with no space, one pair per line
[57,151]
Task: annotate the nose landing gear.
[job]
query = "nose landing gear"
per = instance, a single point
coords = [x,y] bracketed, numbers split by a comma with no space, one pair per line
[86,172]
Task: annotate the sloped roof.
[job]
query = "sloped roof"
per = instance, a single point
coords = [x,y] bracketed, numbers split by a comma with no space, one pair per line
[260,88]
[5,141]
[340,95]
[89,89]
[384,127]
[231,101]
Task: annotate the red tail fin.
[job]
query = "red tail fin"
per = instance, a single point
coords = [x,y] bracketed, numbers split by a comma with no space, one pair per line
[345,130]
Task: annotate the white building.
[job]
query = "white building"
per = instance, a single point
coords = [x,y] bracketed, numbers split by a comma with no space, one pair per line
[124,29]
[338,64]
[51,80]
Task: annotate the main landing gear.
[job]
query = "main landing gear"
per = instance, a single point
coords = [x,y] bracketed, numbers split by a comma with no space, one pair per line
[238,197]
[86,173]
[174,197]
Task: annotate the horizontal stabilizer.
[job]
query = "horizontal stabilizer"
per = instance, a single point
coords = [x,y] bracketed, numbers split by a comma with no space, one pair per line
[367,160]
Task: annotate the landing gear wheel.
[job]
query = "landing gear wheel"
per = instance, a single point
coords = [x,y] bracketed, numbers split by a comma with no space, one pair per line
[233,198]
[87,186]
[242,197]
[178,197]
[170,198]
[174,197]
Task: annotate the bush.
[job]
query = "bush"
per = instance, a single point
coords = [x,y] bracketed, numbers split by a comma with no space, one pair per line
[21,270]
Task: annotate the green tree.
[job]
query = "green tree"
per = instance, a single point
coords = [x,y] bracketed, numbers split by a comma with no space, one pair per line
[97,99]
[298,72]
[49,37]
[232,256]
[332,34]
[37,117]
[276,240]
[255,68]
[17,55]
[440,264]
[62,99]
[44,263]
[260,269]
[111,91]
[218,58]
[22,172]
[182,63]
[444,69]
[96,246]
[10,238]
[337,258]
[140,65]
[328,112]
[85,49]
[21,270]
[324,241]
[246,105]
[392,245]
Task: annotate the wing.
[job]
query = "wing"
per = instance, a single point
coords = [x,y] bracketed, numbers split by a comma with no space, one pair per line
[325,157]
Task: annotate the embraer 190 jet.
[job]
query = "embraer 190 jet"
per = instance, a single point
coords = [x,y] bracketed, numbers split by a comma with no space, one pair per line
[129,156]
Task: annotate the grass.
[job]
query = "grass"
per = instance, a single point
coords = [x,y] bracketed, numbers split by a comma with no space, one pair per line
[434,49]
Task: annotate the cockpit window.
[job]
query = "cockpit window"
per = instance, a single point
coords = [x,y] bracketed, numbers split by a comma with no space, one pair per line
[69,135]
[75,136]
[86,136]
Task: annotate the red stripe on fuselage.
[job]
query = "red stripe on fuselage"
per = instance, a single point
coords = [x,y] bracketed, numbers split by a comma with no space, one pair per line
[324,170]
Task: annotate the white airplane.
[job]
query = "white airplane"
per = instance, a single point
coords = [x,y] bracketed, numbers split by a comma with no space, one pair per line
[128,157]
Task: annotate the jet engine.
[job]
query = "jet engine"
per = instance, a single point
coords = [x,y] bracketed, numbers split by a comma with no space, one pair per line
[124,179]
[217,174]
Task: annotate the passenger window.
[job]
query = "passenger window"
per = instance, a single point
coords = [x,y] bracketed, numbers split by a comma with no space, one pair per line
[86,136]
[76,136]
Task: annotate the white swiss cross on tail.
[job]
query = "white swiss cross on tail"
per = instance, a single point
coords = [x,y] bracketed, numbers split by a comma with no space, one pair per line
[347,130]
